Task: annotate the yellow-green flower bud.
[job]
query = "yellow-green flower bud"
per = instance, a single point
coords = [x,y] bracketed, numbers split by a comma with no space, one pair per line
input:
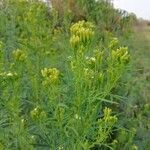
[108,117]
[35,113]
[51,75]
[19,55]
[81,32]
[120,55]
[114,43]
[74,41]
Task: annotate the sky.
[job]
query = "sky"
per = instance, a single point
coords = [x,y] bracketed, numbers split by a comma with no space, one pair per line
[139,7]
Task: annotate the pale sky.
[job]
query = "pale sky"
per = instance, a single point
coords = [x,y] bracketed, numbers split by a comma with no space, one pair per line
[139,7]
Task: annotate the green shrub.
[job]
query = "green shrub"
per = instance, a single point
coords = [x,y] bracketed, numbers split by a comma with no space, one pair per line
[55,82]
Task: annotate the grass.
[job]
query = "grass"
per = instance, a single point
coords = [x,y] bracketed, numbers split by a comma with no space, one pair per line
[139,87]
[141,54]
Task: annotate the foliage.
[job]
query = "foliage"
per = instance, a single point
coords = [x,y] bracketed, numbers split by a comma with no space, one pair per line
[57,77]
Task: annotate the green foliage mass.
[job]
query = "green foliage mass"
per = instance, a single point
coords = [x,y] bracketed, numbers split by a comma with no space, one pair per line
[59,75]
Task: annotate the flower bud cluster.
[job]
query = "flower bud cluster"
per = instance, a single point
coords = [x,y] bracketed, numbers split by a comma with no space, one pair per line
[105,124]
[19,55]
[82,32]
[51,75]
[108,117]
[121,55]
[114,43]
[57,31]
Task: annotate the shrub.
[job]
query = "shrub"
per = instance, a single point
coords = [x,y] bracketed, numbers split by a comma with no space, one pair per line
[55,82]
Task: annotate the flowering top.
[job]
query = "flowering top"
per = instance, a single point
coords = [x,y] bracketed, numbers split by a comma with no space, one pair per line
[114,43]
[121,55]
[81,32]
[38,113]
[108,117]
[19,55]
[51,75]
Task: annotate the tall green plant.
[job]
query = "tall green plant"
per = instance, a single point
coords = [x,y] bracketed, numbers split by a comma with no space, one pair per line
[46,101]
